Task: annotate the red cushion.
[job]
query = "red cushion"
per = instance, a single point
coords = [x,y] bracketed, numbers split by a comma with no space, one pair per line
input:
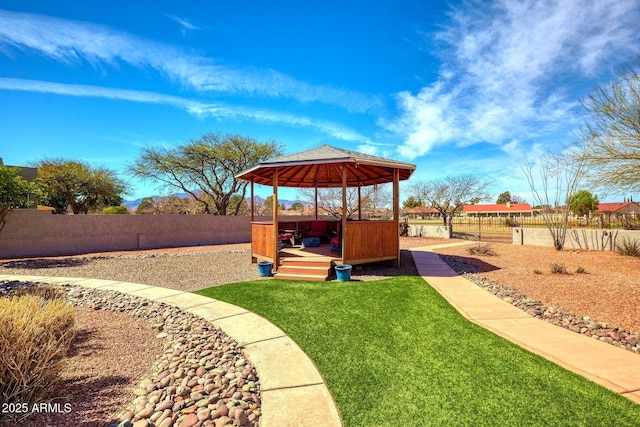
[285,236]
[318,226]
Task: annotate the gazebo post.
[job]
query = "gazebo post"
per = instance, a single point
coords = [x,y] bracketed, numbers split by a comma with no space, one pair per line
[359,203]
[396,208]
[276,257]
[252,205]
[343,231]
[316,204]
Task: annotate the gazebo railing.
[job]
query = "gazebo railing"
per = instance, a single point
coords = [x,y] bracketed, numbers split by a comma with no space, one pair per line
[262,241]
[365,241]
[369,241]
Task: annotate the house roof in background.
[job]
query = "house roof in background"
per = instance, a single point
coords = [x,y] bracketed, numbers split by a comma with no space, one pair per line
[616,206]
[498,208]
[27,173]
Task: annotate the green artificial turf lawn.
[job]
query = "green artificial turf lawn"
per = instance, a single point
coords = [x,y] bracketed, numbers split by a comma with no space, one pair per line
[395,353]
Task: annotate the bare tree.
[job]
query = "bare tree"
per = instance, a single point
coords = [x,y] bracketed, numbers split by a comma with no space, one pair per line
[609,142]
[448,195]
[330,199]
[554,179]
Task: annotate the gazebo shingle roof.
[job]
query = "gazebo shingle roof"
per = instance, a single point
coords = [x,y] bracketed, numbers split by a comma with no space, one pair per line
[321,167]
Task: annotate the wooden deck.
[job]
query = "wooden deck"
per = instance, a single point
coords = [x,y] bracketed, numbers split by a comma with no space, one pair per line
[323,251]
[362,242]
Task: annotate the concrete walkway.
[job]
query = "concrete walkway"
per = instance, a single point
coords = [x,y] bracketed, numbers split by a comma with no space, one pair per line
[293,392]
[612,367]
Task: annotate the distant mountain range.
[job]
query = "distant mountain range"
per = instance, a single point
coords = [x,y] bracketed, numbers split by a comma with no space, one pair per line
[133,204]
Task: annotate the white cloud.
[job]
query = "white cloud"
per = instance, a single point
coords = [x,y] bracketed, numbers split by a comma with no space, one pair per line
[510,70]
[200,109]
[71,42]
[184,24]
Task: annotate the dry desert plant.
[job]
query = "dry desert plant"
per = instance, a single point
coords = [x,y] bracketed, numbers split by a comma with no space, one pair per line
[479,249]
[35,334]
[558,269]
[628,247]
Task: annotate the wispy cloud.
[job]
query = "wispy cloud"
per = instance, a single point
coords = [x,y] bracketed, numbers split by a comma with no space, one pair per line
[197,108]
[508,70]
[72,42]
[184,24]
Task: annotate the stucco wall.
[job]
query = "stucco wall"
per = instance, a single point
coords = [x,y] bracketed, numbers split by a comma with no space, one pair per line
[442,231]
[39,233]
[35,233]
[577,238]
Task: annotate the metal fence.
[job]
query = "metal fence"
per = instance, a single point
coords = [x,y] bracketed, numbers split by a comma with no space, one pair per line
[500,228]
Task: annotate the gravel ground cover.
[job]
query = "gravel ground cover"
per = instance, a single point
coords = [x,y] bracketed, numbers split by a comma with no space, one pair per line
[184,269]
[142,363]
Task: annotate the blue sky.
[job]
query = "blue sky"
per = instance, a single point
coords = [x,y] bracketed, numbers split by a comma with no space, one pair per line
[454,87]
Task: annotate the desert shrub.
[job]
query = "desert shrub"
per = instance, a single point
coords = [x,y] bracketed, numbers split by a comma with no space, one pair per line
[536,271]
[510,222]
[35,334]
[115,210]
[628,247]
[581,270]
[558,269]
[481,250]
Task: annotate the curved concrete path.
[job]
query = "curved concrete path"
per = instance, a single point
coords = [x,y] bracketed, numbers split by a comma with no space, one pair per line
[614,368]
[293,392]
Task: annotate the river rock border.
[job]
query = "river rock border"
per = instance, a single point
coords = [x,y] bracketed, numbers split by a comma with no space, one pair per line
[584,325]
[202,378]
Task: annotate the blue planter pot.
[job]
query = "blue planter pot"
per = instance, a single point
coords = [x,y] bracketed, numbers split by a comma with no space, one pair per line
[265,268]
[343,272]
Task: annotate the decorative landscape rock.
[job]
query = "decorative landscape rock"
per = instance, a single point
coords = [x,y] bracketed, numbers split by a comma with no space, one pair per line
[202,378]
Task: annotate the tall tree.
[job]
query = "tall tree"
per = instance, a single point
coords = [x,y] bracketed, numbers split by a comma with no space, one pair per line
[508,197]
[448,195]
[73,184]
[14,192]
[297,206]
[411,202]
[583,202]
[206,168]
[609,142]
[146,207]
[503,198]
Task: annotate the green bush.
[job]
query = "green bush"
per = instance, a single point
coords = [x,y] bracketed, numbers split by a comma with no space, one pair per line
[35,334]
[115,210]
[628,247]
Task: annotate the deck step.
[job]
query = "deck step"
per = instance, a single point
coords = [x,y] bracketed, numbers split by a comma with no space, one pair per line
[305,269]
[311,268]
[309,277]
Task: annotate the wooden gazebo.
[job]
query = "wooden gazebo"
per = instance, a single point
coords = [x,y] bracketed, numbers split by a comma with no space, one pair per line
[363,241]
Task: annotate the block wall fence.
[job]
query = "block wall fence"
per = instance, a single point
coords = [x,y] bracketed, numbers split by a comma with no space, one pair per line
[39,233]
[577,238]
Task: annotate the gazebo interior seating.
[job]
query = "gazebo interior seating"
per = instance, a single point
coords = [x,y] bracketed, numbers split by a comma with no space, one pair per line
[318,229]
